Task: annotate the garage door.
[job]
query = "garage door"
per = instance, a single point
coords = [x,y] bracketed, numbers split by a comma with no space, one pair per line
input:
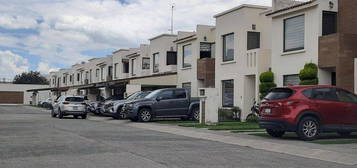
[11,97]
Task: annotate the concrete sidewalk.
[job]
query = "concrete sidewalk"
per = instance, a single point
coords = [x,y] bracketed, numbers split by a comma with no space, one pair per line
[301,149]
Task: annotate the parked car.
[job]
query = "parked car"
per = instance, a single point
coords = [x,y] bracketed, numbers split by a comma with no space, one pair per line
[309,110]
[69,105]
[115,109]
[163,103]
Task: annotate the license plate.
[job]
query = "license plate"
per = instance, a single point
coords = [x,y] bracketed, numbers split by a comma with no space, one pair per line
[267,110]
[75,108]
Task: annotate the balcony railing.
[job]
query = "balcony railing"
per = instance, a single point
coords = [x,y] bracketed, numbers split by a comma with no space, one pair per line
[206,71]
[257,61]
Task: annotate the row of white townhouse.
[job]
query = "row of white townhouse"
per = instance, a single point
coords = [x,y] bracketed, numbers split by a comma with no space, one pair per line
[229,57]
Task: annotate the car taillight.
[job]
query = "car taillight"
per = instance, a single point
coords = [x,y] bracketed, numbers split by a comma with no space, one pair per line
[65,102]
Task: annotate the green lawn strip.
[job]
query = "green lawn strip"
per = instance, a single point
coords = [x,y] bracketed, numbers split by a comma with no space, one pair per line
[324,139]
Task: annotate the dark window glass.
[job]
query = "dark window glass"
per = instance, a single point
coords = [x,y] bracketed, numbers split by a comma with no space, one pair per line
[171,58]
[333,78]
[291,80]
[187,86]
[125,67]
[307,93]
[78,76]
[228,93]
[167,94]
[327,94]
[133,67]
[180,94]
[110,71]
[294,33]
[253,40]
[187,56]
[329,23]
[346,97]
[279,93]
[115,70]
[228,47]
[155,60]
[74,99]
[146,63]
[207,50]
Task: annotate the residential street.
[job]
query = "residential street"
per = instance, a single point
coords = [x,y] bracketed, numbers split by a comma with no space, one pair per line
[30,138]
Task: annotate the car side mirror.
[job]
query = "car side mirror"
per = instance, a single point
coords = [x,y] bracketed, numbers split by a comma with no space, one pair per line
[159,98]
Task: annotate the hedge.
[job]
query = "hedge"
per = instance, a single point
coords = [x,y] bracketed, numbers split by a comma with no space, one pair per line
[266,77]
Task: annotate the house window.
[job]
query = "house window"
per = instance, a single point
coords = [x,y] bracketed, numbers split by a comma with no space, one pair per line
[115,70]
[146,63]
[97,73]
[291,80]
[329,22]
[64,79]
[171,58]
[227,93]
[133,67]
[110,71]
[187,86]
[155,62]
[78,76]
[228,47]
[125,67]
[187,56]
[207,50]
[294,33]
[253,40]
[102,73]
[90,76]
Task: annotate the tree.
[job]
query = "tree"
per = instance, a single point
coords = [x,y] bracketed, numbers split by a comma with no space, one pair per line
[32,77]
[266,83]
[308,75]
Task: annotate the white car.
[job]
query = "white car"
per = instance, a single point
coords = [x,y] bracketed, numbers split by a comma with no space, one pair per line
[69,105]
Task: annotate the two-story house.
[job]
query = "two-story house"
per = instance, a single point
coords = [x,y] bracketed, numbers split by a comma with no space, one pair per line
[196,59]
[243,42]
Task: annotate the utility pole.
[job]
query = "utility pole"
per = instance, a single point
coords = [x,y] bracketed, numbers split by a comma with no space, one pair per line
[172,18]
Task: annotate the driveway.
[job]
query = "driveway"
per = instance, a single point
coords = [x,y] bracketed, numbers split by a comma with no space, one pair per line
[30,138]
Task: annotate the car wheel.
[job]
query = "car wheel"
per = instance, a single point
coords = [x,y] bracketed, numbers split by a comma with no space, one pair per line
[60,114]
[275,133]
[344,133]
[122,115]
[195,114]
[145,115]
[308,129]
[84,116]
[53,114]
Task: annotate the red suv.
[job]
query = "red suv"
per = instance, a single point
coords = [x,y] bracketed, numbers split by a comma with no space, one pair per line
[309,110]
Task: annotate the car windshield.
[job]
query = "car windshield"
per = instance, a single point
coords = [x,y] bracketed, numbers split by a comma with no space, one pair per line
[153,94]
[138,95]
[74,99]
[279,93]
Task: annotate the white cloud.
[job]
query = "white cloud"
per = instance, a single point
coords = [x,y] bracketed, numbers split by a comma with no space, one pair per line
[44,68]
[12,64]
[68,27]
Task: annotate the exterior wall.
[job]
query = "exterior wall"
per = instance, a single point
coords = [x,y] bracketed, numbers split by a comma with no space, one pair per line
[289,63]
[43,95]
[162,44]
[189,75]
[239,22]
[118,59]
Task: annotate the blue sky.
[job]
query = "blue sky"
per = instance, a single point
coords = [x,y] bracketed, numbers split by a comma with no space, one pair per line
[45,35]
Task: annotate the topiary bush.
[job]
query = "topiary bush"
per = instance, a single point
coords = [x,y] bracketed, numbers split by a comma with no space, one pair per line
[266,83]
[308,75]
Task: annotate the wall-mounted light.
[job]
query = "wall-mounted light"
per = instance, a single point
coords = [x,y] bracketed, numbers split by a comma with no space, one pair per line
[331,5]
[254,27]
[204,38]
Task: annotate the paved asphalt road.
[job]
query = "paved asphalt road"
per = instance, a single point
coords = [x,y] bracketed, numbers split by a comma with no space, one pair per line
[30,138]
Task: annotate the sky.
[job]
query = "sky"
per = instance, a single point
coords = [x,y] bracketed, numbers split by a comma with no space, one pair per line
[47,35]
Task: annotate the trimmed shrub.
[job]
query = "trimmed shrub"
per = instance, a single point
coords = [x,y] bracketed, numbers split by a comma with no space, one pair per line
[266,77]
[308,75]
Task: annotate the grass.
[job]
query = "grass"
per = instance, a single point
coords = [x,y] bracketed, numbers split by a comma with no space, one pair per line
[324,139]
[218,127]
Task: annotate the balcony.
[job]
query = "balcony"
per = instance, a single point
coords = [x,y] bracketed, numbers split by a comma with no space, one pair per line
[206,71]
[328,50]
[257,61]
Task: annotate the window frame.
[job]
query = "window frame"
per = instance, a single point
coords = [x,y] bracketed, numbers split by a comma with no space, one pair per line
[224,45]
[184,90]
[155,57]
[331,90]
[145,65]
[162,98]
[324,33]
[223,92]
[342,90]
[284,34]
[183,55]
[132,62]
[284,84]
[258,40]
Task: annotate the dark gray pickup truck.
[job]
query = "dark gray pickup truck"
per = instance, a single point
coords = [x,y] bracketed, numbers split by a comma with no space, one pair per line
[163,103]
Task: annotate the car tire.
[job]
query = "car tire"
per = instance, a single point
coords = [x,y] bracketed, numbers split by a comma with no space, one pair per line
[195,114]
[145,115]
[84,116]
[53,114]
[60,114]
[275,133]
[308,129]
[344,133]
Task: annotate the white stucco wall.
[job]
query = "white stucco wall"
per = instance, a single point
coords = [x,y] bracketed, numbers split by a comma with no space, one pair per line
[289,63]
[162,44]
[43,95]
